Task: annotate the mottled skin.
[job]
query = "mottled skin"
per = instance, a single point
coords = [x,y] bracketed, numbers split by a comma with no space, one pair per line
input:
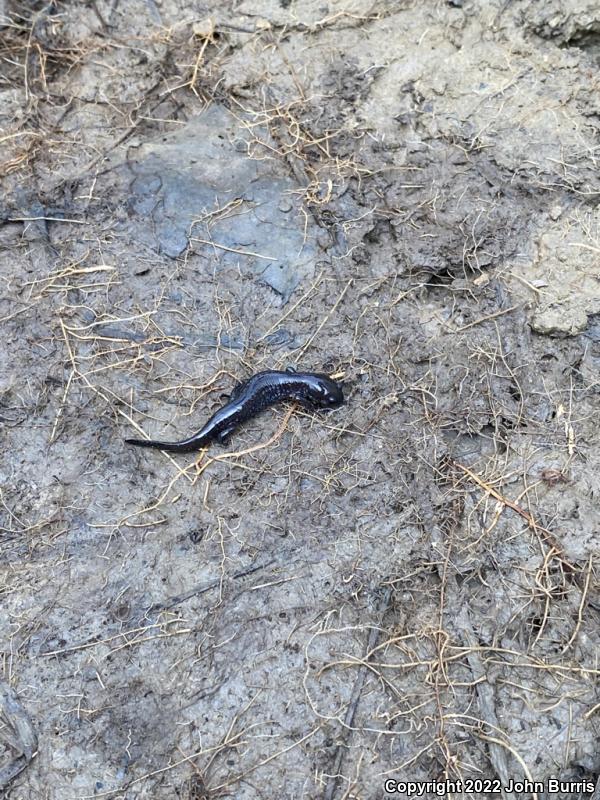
[312,389]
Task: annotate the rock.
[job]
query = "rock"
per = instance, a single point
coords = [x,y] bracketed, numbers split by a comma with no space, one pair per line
[559,320]
[199,187]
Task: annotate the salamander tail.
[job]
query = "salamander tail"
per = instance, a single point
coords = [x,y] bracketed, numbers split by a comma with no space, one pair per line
[187,446]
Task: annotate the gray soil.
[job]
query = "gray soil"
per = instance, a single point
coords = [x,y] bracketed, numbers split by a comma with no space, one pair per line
[404,194]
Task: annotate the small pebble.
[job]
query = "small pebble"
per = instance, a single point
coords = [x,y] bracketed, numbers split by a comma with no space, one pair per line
[555,212]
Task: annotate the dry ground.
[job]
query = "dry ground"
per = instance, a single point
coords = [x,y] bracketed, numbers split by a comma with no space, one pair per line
[404,194]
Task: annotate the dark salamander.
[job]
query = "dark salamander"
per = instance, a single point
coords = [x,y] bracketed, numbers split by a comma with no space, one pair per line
[312,389]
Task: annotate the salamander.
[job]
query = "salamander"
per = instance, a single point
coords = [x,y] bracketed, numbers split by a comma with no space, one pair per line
[312,389]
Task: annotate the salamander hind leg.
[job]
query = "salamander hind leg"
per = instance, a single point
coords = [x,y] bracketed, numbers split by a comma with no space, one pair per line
[224,435]
[237,390]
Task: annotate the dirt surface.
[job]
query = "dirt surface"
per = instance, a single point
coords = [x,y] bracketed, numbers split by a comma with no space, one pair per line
[403,194]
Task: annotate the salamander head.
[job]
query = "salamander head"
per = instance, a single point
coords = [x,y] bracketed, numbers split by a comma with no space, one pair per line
[326,393]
